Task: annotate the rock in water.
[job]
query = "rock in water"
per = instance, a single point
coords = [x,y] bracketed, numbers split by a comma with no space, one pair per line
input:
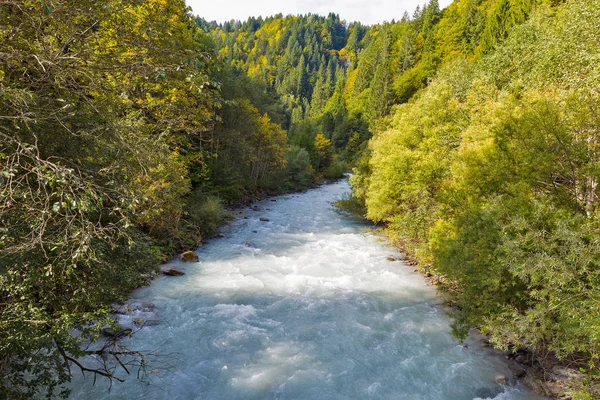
[500,379]
[488,393]
[119,309]
[115,334]
[189,256]
[519,372]
[521,358]
[173,272]
[263,219]
[147,322]
[146,306]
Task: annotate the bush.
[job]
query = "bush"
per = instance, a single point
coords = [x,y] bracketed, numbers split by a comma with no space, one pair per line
[298,172]
[203,214]
[336,169]
[229,193]
[352,205]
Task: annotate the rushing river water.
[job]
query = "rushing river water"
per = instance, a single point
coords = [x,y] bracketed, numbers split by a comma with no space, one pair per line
[303,306]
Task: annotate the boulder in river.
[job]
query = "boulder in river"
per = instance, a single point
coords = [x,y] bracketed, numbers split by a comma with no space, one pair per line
[146,322]
[146,306]
[120,309]
[391,258]
[263,219]
[521,358]
[500,379]
[173,272]
[189,256]
[115,333]
[519,372]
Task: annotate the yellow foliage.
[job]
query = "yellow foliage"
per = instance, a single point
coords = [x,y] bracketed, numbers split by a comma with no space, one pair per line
[322,143]
[350,84]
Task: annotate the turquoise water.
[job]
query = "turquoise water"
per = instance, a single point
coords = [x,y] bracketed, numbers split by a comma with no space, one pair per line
[303,306]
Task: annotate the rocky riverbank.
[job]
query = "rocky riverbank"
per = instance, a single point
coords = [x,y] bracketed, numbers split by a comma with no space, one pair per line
[542,372]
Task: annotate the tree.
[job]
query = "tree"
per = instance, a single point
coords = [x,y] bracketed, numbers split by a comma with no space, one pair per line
[324,151]
[99,104]
[380,94]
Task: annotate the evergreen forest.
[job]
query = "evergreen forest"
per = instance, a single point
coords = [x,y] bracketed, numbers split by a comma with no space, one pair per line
[129,128]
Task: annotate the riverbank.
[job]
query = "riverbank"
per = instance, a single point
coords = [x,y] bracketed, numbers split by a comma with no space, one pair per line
[187,252]
[541,372]
[193,242]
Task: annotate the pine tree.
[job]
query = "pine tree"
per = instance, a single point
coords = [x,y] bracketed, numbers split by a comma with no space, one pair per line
[380,94]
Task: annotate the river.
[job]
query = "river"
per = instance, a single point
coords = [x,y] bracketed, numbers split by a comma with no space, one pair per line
[305,305]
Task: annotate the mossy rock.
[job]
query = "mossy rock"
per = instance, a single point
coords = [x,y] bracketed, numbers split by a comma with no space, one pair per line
[189,256]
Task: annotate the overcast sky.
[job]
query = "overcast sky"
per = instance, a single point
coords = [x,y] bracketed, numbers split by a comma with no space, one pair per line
[366,11]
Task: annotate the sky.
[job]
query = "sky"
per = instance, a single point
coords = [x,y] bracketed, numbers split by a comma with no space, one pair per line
[366,11]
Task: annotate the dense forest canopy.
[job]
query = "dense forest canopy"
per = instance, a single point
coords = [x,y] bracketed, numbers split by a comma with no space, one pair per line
[126,127]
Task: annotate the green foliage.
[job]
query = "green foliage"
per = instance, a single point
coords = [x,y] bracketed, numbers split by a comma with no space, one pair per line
[327,74]
[506,15]
[298,171]
[323,149]
[422,135]
[302,60]
[297,56]
[336,169]
[248,144]
[351,205]
[107,117]
[204,213]
[490,174]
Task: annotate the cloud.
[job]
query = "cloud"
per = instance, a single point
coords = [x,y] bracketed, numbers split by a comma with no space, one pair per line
[366,11]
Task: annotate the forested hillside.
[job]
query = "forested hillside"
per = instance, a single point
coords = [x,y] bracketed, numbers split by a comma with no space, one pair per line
[335,81]
[127,127]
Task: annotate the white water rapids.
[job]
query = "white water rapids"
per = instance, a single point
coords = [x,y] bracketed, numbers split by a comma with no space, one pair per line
[303,306]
